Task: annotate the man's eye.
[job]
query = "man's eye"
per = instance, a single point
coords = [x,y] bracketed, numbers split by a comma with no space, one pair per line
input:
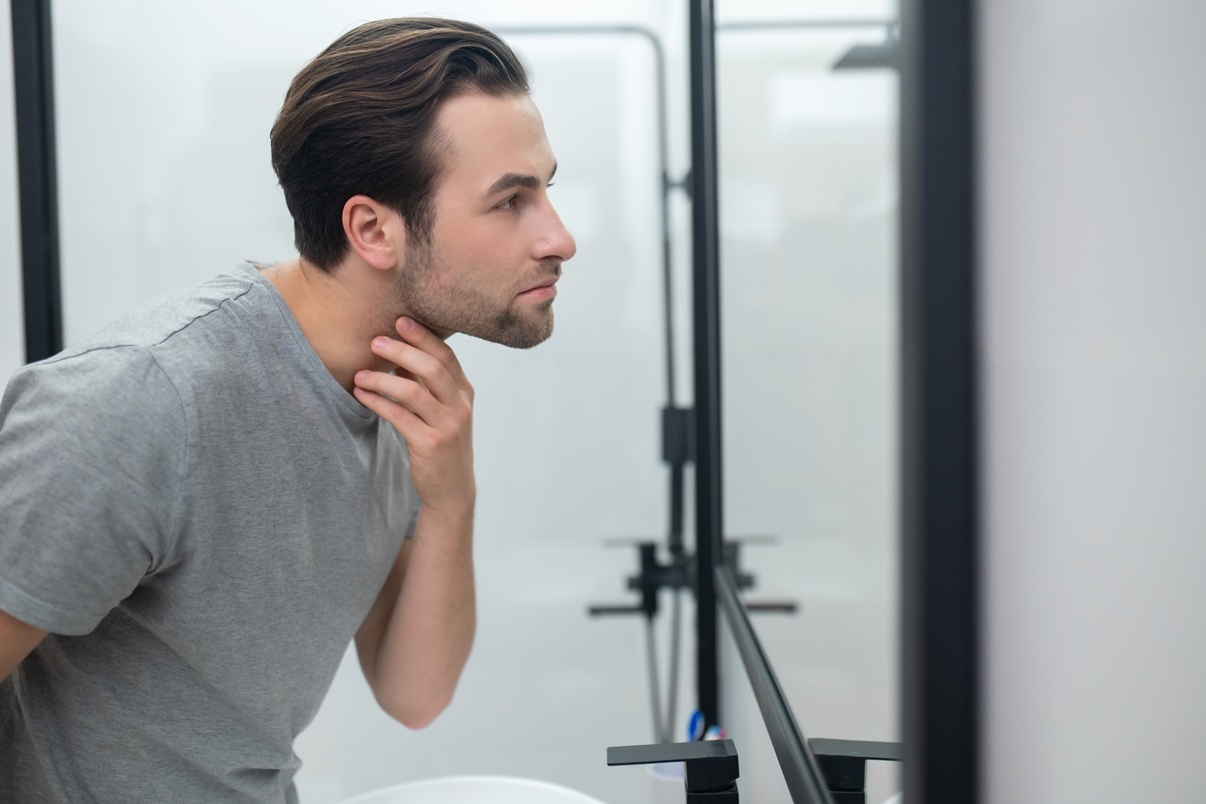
[509,203]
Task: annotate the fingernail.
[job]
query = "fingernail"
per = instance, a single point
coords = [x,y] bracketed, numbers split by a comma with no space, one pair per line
[360,375]
[406,323]
[380,343]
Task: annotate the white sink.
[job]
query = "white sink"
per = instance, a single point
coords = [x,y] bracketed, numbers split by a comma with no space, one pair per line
[475,790]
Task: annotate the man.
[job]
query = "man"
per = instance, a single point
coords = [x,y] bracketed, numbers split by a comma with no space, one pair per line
[201,506]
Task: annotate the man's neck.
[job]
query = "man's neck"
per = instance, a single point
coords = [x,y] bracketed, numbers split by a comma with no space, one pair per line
[338,316]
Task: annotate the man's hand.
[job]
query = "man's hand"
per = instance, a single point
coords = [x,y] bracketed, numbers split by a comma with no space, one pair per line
[414,642]
[430,403]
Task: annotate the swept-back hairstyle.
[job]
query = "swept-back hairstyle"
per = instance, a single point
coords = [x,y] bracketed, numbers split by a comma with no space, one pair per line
[360,119]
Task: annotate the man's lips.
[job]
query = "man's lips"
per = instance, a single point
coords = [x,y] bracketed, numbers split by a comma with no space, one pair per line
[545,290]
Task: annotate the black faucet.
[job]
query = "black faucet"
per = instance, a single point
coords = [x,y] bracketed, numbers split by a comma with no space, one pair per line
[711,776]
[843,763]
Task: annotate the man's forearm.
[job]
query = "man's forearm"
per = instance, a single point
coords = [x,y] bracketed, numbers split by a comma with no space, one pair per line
[415,640]
[430,631]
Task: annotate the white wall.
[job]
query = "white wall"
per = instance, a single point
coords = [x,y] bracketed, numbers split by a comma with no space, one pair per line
[1093,286]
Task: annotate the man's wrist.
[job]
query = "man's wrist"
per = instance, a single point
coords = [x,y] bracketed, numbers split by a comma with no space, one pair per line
[457,517]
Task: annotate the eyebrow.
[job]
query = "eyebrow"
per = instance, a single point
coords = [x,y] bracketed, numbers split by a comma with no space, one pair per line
[510,180]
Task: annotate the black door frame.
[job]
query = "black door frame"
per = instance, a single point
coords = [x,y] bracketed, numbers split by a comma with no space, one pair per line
[940,609]
[33,80]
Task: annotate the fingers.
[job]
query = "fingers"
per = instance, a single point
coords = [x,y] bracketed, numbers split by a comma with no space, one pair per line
[415,364]
[408,393]
[430,403]
[425,340]
[428,381]
[402,418]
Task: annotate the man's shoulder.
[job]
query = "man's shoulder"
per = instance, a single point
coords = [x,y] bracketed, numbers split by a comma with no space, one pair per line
[188,332]
[191,332]
[161,320]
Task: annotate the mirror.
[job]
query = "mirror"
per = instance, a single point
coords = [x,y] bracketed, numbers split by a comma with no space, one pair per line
[808,173]
[165,180]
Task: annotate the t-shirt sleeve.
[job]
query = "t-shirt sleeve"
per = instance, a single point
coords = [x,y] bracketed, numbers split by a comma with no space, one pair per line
[92,455]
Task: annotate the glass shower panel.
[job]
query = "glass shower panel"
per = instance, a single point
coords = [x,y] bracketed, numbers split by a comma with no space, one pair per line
[808,210]
[164,111]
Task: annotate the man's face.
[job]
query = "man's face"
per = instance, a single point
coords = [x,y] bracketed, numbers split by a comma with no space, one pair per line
[496,243]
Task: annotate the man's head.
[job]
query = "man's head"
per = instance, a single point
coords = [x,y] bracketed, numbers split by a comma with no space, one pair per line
[414,144]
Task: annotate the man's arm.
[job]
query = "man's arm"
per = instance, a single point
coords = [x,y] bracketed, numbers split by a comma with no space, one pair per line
[416,639]
[17,640]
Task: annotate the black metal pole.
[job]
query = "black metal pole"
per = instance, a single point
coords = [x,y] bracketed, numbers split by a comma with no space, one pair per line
[940,610]
[34,89]
[709,516]
[803,775]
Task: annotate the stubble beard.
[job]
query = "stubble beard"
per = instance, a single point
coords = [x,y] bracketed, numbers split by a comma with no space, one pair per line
[444,308]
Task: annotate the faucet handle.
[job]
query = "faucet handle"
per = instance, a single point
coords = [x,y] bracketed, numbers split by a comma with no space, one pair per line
[711,764]
[843,764]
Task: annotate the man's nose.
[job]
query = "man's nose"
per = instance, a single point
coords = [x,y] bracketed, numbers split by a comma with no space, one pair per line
[558,242]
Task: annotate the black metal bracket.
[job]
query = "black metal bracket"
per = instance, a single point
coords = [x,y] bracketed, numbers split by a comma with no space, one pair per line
[680,573]
[843,763]
[683,184]
[882,56]
[711,766]
[678,435]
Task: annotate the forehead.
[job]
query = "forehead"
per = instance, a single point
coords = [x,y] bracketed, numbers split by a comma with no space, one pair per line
[487,137]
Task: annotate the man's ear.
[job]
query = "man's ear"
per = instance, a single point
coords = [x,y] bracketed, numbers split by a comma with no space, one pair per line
[374,231]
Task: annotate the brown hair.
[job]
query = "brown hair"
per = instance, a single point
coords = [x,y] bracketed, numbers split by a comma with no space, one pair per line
[359,119]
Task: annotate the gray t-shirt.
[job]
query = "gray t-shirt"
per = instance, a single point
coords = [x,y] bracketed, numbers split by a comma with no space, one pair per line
[201,517]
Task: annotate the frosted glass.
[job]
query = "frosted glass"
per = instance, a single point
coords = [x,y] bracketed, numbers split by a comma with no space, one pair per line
[808,212]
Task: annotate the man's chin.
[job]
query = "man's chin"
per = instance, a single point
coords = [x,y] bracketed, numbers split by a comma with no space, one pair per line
[518,335]
[514,343]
